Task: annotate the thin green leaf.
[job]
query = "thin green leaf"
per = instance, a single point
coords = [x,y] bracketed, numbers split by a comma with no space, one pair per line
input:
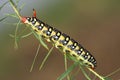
[10,23]
[75,74]
[68,71]
[12,15]
[46,57]
[74,59]
[43,43]
[16,37]
[107,78]
[17,1]
[65,61]
[11,35]
[3,5]
[95,77]
[15,8]
[85,74]
[20,8]
[113,72]
[24,36]
[40,40]
[71,57]
[35,58]
[3,19]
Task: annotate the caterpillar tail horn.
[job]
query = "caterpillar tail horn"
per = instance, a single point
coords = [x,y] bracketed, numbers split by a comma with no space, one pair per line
[34,13]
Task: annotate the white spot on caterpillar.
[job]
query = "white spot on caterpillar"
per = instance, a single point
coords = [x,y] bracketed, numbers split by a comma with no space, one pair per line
[42,25]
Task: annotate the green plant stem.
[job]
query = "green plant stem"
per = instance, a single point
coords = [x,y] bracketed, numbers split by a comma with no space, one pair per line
[14,8]
[95,73]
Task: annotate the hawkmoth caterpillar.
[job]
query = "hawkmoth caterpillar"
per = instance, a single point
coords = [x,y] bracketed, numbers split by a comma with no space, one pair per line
[61,40]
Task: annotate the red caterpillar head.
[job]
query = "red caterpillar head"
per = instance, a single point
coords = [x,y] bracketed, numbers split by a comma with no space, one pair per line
[25,19]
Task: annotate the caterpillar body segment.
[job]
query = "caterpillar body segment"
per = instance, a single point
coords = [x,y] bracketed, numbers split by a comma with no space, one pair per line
[61,40]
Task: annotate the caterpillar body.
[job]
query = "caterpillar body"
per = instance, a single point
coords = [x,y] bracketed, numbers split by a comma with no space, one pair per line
[60,40]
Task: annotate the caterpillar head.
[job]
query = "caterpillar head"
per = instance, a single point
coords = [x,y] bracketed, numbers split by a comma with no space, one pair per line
[27,20]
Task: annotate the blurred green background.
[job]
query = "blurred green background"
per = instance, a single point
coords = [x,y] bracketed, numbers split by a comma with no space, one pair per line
[94,24]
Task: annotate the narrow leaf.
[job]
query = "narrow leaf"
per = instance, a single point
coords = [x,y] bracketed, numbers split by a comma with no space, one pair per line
[43,43]
[14,8]
[24,36]
[66,66]
[3,5]
[16,37]
[12,15]
[46,57]
[20,8]
[17,1]
[11,35]
[3,19]
[68,71]
[85,74]
[106,78]
[113,72]
[35,58]
[40,40]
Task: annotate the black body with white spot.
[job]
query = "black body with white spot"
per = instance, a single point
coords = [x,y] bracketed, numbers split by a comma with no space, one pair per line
[62,41]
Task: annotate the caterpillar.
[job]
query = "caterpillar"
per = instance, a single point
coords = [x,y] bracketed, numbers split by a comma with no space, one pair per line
[61,40]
